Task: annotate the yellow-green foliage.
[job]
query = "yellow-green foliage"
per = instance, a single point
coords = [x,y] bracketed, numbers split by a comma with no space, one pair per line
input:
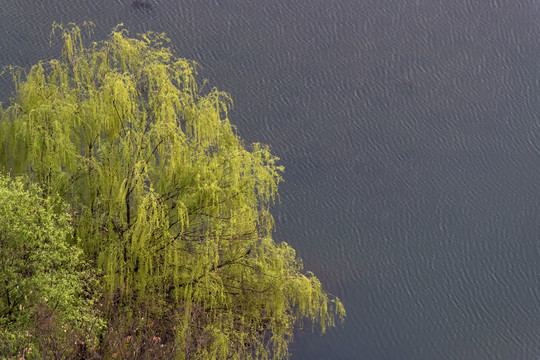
[42,277]
[166,199]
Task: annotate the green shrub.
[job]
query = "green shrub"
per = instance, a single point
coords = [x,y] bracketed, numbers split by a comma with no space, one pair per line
[46,305]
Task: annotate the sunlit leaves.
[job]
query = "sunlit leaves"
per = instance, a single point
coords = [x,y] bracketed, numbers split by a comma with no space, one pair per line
[42,275]
[165,197]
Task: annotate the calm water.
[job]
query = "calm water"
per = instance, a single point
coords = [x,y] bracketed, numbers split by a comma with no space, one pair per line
[410,133]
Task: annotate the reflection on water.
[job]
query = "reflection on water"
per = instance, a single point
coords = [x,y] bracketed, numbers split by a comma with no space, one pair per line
[410,137]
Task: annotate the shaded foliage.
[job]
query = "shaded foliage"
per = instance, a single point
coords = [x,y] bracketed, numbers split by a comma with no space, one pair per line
[166,201]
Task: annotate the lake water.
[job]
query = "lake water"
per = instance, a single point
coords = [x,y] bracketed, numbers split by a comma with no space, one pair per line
[410,133]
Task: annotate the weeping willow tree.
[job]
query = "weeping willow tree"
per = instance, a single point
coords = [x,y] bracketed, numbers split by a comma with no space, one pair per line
[166,200]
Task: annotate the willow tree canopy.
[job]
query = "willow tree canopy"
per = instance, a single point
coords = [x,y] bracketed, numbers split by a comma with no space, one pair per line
[167,201]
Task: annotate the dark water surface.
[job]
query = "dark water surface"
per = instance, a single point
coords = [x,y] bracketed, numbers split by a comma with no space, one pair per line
[410,133]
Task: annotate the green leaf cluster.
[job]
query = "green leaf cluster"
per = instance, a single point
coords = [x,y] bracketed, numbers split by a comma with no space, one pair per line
[43,276]
[168,205]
